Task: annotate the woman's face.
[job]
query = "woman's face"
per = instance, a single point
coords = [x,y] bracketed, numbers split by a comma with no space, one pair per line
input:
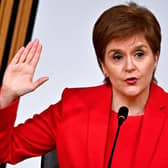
[129,64]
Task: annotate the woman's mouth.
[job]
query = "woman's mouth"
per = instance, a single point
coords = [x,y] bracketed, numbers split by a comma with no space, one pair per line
[131,81]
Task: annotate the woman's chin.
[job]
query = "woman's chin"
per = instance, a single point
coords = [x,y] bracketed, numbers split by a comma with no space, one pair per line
[132,92]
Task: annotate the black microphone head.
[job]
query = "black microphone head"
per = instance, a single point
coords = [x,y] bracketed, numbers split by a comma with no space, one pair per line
[123,113]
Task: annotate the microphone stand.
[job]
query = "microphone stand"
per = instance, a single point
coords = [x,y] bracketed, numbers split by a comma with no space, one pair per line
[122,115]
[111,156]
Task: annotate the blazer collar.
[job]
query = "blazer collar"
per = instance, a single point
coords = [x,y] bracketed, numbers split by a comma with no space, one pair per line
[98,126]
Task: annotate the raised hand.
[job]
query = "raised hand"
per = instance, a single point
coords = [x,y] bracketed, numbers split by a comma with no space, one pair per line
[18,77]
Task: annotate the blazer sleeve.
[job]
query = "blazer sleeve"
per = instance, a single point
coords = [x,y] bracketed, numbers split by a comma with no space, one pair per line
[35,137]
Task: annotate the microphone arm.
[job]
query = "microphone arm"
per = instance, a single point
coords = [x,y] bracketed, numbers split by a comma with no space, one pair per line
[122,115]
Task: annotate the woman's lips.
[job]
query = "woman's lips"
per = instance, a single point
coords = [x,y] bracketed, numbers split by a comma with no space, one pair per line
[131,81]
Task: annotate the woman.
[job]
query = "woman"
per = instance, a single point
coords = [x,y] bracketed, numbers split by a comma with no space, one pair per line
[82,125]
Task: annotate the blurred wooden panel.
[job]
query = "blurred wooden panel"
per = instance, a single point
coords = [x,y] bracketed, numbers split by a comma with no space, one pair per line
[21,26]
[5,14]
[16,25]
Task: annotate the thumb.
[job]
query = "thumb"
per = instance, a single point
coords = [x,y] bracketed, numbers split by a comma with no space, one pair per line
[39,82]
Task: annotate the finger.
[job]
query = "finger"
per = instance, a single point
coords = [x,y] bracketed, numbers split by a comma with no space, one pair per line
[39,82]
[26,51]
[32,52]
[36,57]
[17,55]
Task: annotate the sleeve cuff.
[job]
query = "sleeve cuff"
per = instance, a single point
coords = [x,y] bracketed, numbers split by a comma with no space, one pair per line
[8,114]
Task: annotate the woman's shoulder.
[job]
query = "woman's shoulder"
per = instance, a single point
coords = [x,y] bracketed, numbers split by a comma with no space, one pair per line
[88,94]
[159,90]
[86,90]
[159,98]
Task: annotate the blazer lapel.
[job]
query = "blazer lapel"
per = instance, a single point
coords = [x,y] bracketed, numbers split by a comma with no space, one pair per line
[153,123]
[98,126]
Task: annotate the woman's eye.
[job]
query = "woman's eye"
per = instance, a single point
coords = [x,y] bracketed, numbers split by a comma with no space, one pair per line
[117,57]
[139,54]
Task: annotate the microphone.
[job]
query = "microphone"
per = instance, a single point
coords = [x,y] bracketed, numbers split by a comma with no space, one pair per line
[122,116]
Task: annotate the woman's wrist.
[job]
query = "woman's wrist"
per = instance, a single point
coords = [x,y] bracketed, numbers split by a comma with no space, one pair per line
[5,98]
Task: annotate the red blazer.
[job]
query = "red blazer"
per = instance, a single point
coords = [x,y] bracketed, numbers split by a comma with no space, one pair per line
[77,126]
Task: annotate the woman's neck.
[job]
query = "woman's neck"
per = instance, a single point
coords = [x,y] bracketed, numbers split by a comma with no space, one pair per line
[136,104]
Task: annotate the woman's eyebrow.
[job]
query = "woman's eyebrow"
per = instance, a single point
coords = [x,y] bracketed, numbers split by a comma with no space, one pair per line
[114,50]
[121,51]
[140,46]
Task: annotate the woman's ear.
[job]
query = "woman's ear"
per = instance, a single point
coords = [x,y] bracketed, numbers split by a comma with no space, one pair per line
[103,69]
[156,58]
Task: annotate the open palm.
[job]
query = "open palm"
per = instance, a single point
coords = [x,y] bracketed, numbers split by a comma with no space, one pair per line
[18,77]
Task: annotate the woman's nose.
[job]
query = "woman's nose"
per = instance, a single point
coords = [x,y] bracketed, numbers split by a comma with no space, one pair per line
[129,64]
